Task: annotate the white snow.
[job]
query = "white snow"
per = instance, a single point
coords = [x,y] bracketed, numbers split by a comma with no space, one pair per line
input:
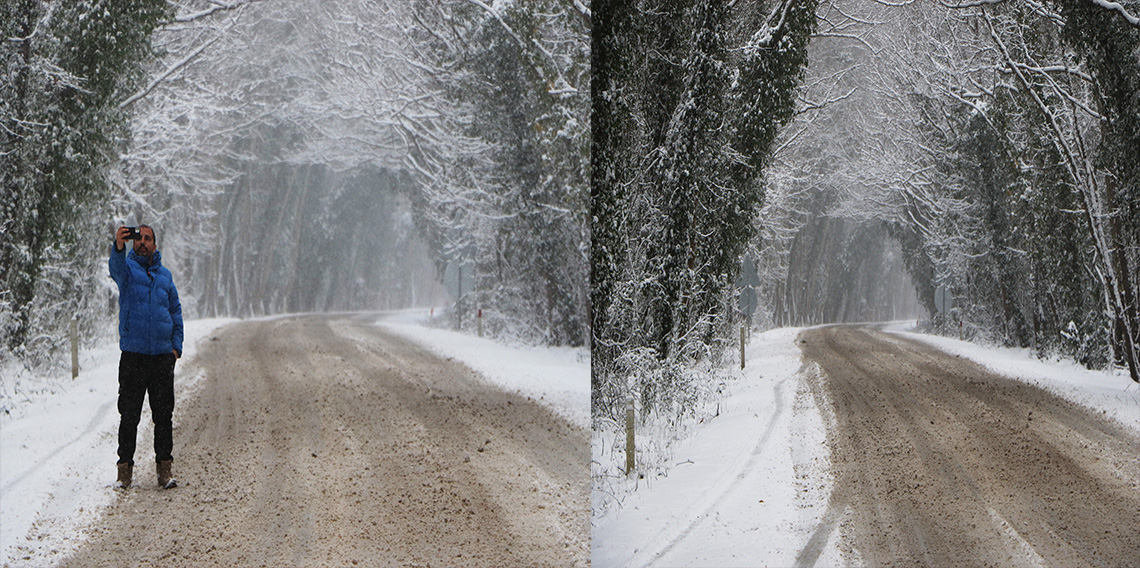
[747,488]
[57,454]
[57,450]
[1112,392]
[557,377]
[750,487]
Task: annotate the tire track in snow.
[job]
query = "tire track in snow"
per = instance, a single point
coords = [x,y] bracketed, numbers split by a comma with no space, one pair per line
[741,475]
[100,416]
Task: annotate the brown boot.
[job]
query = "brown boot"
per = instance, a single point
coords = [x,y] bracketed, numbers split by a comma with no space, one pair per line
[165,480]
[124,480]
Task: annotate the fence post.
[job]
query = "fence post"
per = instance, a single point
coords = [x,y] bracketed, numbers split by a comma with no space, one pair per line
[480,318]
[742,327]
[629,447]
[74,347]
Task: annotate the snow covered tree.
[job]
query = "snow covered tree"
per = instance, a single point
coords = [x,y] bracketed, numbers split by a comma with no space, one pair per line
[1073,68]
[1019,129]
[273,116]
[516,206]
[274,144]
[986,136]
[688,97]
[67,68]
[1106,37]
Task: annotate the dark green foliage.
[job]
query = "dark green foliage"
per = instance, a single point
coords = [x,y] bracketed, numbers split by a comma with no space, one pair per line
[61,129]
[1013,263]
[1110,47]
[534,267]
[1015,246]
[688,97]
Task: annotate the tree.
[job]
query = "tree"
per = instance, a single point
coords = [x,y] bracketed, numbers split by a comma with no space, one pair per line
[472,113]
[688,98]
[1019,176]
[67,66]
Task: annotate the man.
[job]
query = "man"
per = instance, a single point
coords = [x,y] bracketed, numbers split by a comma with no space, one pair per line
[150,337]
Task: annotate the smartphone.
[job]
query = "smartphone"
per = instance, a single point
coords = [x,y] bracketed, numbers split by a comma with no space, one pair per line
[134,234]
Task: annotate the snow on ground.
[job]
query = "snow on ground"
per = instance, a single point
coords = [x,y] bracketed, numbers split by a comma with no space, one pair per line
[1112,393]
[558,377]
[749,487]
[57,450]
[57,454]
[746,488]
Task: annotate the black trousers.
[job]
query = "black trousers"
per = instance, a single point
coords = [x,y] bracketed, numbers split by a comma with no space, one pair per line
[151,375]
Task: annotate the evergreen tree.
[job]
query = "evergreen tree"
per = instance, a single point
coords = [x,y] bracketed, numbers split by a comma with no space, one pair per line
[1110,46]
[688,98]
[1032,218]
[66,69]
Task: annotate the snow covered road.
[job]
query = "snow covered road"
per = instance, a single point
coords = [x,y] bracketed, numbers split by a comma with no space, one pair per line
[939,461]
[325,440]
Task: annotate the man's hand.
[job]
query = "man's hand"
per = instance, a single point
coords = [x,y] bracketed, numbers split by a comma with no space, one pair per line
[121,238]
[177,354]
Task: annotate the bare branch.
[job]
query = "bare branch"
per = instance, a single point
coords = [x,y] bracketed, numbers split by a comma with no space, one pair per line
[810,106]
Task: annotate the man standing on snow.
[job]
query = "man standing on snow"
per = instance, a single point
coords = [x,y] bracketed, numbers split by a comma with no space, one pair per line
[150,337]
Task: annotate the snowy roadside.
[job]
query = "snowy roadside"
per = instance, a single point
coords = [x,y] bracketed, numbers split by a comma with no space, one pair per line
[746,488]
[57,454]
[557,377]
[1111,393]
[58,448]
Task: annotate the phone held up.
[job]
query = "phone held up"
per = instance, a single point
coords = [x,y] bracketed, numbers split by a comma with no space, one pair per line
[133,235]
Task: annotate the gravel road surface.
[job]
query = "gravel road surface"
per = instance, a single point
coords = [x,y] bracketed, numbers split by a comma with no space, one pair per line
[939,462]
[326,441]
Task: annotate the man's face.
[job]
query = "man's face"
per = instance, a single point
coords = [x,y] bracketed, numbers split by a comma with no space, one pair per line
[145,245]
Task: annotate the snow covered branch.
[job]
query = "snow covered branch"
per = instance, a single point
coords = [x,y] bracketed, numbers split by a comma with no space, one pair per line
[1117,7]
[811,105]
[217,7]
[167,73]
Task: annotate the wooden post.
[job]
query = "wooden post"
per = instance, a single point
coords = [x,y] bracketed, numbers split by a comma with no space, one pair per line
[480,318]
[74,347]
[629,439]
[742,328]
[458,297]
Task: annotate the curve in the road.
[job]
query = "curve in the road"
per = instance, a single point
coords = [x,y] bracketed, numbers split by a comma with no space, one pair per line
[940,462]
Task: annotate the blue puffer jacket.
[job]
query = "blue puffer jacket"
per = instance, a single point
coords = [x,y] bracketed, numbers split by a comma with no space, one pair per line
[150,315]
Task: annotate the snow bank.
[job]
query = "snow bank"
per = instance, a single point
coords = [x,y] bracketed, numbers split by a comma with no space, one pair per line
[745,488]
[1111,393]
[558,377]
[57,454]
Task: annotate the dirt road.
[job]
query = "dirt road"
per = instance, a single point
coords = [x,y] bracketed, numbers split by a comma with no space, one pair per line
[939,462]
[324,441]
